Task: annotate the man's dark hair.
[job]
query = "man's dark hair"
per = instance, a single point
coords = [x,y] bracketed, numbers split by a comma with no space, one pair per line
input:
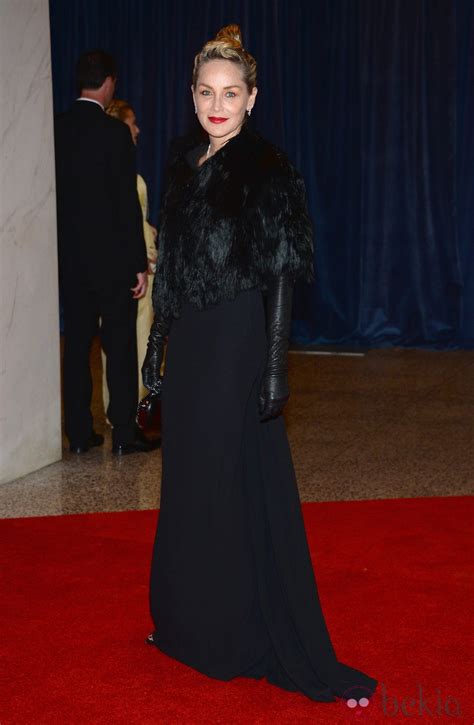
[93,68]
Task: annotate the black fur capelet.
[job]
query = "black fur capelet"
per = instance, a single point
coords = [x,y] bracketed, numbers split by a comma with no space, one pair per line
[230,225]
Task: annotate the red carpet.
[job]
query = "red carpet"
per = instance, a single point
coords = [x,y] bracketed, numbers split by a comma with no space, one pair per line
[394,582]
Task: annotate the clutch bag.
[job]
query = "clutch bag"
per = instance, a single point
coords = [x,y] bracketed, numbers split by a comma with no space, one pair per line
[149,416]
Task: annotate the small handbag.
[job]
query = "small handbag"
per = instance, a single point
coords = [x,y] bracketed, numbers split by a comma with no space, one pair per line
[149,416]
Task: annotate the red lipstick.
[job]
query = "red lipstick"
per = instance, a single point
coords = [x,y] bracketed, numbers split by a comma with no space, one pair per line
[217,119]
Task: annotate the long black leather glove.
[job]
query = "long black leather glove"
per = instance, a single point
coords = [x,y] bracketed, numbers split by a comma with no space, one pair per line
[274,391]
[154,356]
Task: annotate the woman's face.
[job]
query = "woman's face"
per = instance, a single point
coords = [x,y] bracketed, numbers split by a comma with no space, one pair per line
[131,121]
[222,99]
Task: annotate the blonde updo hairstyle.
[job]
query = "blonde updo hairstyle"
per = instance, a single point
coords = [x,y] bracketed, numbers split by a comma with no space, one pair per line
[227,45]
[119,109]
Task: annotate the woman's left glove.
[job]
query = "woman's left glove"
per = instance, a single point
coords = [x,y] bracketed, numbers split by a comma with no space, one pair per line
[154,355]
[274,390]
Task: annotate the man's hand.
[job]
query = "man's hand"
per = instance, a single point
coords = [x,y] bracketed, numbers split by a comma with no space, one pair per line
[140,290]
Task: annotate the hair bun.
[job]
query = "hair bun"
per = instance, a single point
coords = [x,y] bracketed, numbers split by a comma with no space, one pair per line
[227,45]
[231,34]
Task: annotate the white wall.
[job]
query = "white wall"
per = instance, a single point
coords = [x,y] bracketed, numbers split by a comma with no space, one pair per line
[30,406]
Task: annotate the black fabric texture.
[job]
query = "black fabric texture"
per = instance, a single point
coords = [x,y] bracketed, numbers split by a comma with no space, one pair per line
[100,224]
[232,587]
[232,224]
[84,304]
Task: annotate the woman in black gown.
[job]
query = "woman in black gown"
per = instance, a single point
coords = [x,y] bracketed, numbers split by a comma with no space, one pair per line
[232,586]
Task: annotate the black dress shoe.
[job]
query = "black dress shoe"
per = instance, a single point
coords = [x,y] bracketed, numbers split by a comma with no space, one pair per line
[95,439]
[137,446]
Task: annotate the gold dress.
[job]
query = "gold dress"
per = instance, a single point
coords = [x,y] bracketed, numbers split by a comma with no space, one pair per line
[145,306]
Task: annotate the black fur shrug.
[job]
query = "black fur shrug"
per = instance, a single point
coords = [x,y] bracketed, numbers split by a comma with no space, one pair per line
[230,225]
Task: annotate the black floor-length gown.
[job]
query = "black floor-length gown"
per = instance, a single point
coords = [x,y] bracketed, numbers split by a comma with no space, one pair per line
[232,586]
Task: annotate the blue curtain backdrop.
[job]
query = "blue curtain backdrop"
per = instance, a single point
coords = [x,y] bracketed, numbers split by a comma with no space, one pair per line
[465,161]
[371,99]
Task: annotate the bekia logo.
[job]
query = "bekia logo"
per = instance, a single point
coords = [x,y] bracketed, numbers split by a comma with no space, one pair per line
[357,700]
[424,705]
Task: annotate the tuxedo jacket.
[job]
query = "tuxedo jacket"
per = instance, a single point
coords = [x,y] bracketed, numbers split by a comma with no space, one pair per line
[100,225]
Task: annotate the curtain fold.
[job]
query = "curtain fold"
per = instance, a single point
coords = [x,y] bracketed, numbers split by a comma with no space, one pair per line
[465,162]
[371,100]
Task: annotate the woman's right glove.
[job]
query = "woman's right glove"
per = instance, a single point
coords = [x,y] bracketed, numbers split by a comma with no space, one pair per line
[151,367]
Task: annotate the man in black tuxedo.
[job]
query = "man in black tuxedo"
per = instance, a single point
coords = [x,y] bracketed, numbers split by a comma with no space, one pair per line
[102,256]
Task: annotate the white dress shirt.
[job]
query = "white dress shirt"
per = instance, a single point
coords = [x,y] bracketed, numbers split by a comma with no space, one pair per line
[91,100]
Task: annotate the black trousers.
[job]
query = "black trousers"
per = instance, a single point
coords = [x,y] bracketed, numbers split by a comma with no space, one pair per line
[84,303]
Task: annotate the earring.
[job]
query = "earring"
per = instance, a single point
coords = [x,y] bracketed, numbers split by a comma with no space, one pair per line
[195,109]
[249,112]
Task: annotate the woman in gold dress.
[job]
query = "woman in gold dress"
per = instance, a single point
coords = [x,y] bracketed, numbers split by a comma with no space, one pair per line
[124,112]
